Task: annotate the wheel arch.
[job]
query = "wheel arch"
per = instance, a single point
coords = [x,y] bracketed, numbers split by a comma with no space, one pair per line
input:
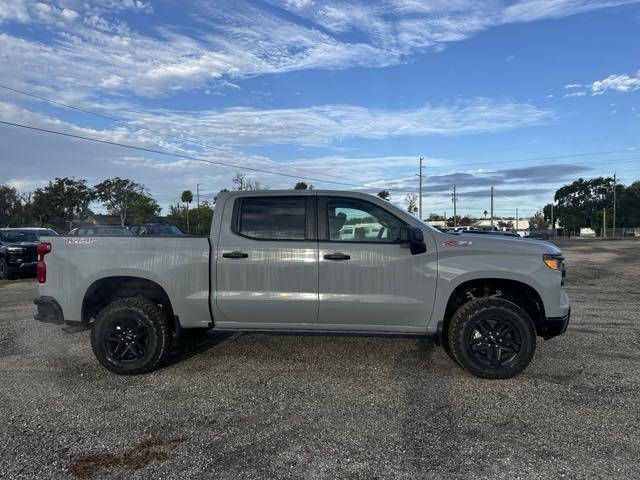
[520,293]
[105,290]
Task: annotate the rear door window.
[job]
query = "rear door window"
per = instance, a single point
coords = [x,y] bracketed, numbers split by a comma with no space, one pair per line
[272,218]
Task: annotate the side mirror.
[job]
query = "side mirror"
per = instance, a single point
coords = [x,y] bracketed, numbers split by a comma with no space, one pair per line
[415,238]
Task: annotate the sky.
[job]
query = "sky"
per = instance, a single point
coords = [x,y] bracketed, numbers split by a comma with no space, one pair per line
[521,95]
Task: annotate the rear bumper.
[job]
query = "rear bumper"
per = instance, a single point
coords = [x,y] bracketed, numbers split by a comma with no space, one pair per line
[554,326]
[49,310]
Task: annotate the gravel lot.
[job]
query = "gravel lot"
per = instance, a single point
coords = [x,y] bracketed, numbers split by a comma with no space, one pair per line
[332,406]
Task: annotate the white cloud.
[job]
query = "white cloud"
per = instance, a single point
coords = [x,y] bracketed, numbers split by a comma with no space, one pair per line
[574,94]
[93,50]
[30,152]
[573,85]
[16,10]
[619,83]
[59,13]
[530,10]
[329,124]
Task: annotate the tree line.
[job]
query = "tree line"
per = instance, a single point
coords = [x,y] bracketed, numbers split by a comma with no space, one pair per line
[64,202]
[581,204]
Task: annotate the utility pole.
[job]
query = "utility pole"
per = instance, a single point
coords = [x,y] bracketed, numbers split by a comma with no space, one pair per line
[553,224]
[196,219]
[613,222]
[454,199]
[420,194]
[491,208]
[604,223]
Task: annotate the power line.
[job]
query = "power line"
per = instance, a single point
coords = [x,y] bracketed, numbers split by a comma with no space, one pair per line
[189,139]
[188,157]
[178,155]
[280,165]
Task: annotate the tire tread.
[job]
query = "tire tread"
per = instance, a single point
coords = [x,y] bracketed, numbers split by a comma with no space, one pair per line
[478,307]
[159,324]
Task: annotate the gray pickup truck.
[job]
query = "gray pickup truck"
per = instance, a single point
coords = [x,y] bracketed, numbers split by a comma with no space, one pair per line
[308,261]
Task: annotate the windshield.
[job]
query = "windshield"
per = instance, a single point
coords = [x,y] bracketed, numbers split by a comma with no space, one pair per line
[16,236]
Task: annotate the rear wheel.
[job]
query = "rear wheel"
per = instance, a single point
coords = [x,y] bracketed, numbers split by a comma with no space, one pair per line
[130,336]
[492,338]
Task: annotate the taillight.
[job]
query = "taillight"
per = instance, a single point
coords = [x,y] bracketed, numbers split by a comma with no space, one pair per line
[43,249]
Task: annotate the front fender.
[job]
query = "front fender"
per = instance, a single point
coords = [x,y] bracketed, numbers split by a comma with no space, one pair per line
[529,269]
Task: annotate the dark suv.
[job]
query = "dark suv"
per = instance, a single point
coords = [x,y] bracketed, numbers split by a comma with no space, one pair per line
[18,250]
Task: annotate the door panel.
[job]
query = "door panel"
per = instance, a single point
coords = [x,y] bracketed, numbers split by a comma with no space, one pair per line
[276,283]
[266,282]
[381,284]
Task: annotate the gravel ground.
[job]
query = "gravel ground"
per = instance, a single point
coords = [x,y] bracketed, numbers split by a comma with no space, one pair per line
[332,406]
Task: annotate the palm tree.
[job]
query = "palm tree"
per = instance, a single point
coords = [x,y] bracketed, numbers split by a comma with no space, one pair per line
[187,197]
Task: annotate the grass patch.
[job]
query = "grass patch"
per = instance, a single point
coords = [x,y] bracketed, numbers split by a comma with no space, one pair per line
[86,465]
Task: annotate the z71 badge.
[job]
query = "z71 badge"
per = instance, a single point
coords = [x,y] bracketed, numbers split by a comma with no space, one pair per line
[80,241]
[456,243]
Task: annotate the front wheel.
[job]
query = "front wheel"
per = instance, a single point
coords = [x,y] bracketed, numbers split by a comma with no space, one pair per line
[130,336]
[492,338]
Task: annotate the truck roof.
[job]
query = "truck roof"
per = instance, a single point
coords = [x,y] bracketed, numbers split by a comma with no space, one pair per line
[298,192]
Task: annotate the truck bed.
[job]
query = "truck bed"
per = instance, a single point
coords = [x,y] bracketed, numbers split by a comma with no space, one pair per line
[180,265]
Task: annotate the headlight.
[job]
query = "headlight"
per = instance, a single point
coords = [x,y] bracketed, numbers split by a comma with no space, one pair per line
[554,262]
[15,249]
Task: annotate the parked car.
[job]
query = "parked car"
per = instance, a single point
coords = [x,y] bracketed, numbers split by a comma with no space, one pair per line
[274,260]
[100,231]
[539,235]
[18,250]
[499,233]
[155,230]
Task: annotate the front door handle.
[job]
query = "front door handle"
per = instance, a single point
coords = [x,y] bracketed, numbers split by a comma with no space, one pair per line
[336,256]
[235,254]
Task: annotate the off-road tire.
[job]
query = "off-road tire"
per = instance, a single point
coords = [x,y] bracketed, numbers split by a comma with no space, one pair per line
[465,336]
[148,318]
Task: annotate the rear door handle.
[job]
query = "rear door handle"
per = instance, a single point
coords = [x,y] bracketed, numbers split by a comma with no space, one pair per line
[337,256]
[235,254]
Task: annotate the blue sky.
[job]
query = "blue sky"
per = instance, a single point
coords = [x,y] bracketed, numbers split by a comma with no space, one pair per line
[521,95]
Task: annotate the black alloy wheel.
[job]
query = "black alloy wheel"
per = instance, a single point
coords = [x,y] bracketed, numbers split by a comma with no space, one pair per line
[492,337]
[495,341]
[126,340]
[131,336]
